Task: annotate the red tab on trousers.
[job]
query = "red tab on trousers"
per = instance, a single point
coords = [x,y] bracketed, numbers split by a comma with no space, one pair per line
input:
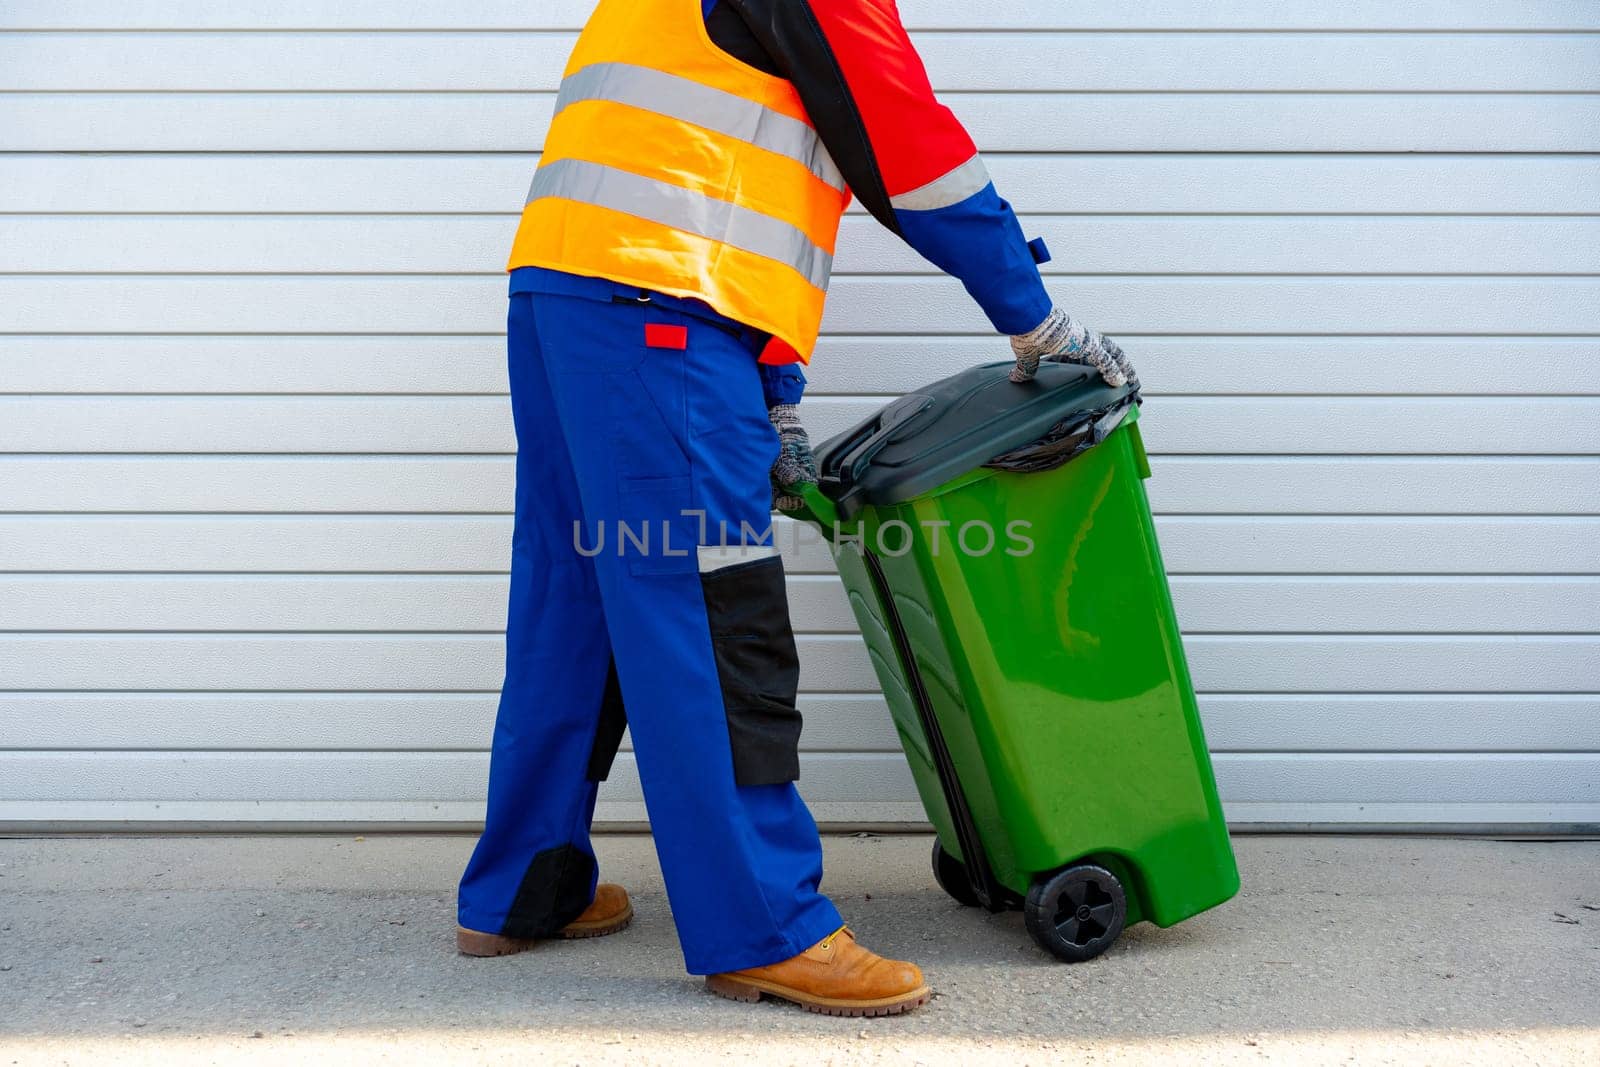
[662,335]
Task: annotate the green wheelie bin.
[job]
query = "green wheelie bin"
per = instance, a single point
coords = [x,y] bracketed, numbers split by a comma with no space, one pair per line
[997,547]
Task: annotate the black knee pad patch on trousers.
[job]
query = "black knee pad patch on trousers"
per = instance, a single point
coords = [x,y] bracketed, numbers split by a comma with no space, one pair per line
[554,891]
[608,732]
[747,606]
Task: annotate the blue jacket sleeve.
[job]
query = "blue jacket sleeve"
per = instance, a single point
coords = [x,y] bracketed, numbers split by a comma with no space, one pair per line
[979,241]
[782,383]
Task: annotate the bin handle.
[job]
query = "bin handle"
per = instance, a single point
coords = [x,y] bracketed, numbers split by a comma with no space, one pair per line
[851,454]
[816,508]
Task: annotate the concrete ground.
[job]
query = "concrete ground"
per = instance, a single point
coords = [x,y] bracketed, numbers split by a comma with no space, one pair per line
[339,949]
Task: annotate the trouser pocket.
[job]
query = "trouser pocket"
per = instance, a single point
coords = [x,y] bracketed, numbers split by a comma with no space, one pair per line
[758,667]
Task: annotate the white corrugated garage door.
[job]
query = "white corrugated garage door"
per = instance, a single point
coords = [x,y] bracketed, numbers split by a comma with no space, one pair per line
[255,450]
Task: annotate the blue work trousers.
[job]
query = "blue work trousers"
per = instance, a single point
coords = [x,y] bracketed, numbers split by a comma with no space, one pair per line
[639,595]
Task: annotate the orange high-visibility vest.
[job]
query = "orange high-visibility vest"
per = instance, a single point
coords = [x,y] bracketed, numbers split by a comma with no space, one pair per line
[673,166]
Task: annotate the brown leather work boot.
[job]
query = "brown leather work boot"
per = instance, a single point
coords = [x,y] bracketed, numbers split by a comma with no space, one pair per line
[609,912]
[835,976]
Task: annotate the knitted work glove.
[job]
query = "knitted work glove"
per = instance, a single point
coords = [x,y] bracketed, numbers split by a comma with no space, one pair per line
[796,466]
[1061,338]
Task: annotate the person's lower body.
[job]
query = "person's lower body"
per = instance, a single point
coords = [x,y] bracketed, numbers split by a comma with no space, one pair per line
[643,450]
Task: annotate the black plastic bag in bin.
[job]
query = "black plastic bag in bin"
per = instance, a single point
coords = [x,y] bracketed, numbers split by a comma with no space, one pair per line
[1066,440]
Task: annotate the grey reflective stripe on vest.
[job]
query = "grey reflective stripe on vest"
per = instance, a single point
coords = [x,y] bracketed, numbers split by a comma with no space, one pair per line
[689,101]
[683,209]
[952,187]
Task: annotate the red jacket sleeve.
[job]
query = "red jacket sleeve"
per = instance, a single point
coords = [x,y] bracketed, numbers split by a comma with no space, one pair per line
[914,139]
[905,155]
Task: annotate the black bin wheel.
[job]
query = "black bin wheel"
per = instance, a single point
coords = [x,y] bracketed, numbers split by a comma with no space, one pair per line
[951,874]
[1077,913]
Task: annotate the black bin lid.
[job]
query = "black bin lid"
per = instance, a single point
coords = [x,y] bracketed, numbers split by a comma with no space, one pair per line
[945,429]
